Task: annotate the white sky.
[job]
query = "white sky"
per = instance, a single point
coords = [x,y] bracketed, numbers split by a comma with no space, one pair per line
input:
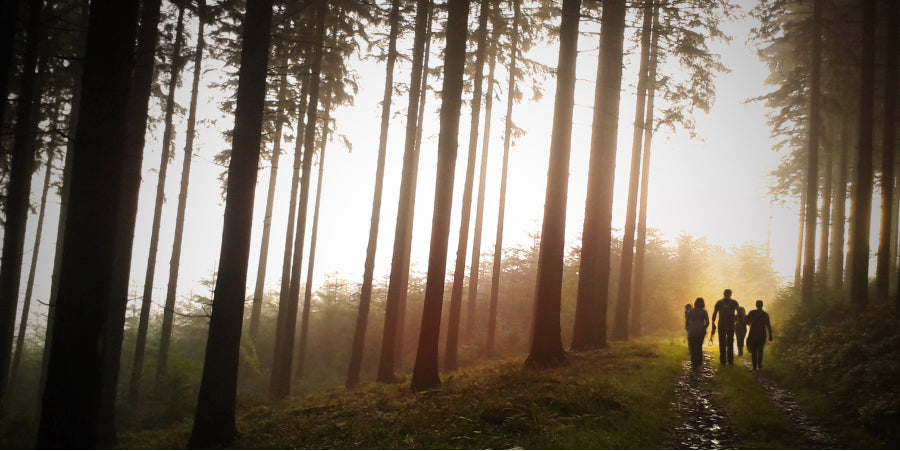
[715,188]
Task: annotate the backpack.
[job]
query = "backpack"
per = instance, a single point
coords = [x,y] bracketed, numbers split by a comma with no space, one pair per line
[696,324]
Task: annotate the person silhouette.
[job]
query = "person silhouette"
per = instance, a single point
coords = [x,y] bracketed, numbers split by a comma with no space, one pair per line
[740,329]
[758,320]
[726,310]
[696,322]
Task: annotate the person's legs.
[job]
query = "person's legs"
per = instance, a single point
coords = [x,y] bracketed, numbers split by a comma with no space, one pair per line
[740,343]
[729,349]
[760,350]
[695,345]
[723,343]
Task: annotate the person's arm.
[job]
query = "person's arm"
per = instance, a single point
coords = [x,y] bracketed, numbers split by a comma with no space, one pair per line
[715,312]
[706,320]
[769,327]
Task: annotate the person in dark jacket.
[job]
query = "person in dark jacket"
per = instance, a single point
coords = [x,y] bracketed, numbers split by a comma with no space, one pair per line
[758,320]
[696,322]
[740,329]
[726,310]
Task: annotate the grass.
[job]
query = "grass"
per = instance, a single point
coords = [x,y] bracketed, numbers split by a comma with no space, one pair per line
[615,398]
[756,420]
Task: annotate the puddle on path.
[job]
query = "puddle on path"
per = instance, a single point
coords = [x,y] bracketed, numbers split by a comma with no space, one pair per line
[701,422]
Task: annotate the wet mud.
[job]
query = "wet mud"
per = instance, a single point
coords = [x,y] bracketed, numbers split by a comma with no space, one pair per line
[813,433]
[700,422]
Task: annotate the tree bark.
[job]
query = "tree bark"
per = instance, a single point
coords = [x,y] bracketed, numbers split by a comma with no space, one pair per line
[451,359]
[280,385]
[593,280]
[10,13]
[175,260]
[812,170]
[637,303]
[214,422]
[861,204]
[256,308]
[822,271]
[798,269]
[838,219]
[18,193]
[365,294]
[623,303]
[546,342]
[504,172]
[83,367]
[889,131]
[405,209]
[425,372]
[147,302]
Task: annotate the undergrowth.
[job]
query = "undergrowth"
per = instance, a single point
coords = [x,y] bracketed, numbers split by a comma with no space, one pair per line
[615,398]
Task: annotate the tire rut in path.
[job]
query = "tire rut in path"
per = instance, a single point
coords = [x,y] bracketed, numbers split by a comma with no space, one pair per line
[701,423]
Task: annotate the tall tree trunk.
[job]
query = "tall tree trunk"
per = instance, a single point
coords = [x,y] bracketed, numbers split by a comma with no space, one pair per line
[280,385]
[9,14]
[883,269]
[475,266]
[295,184]
[822,271]
[29,287]
[147,300]
[546,341]
[214,422]
[83,367]
[175,260]
[64,195]
[365,294]
[798,269]
[861,204]
[637,303]
[425,372]
[838,220]
[812,170]
[593,280]
[256,309]
[623,303]
[18,193]
[405,209]
[504,172]
[451,359]
[313,239]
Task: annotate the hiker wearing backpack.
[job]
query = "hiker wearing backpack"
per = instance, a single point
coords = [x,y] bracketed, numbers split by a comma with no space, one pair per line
[726,310]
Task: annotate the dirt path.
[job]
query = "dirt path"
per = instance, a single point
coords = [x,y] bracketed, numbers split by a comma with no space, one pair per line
[814,435]
[701,423]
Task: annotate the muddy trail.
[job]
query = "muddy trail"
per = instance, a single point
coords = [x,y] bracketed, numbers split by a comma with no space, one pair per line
[813,433]
[700,422]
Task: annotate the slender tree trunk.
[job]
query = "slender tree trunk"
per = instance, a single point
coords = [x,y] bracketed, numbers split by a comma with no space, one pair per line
[593,280]
[295,184]
[641,244]
[798,269]
[405,209]
[838,220]
[83,367]
[280,385]
[861,204]
[147,302]
[451,359]
[256,309]
[8,14]
[546,342]
[18,193]
[883,269]
[425,372]
[475,266]
[420,120]
[812,171]
[822,271]
[29,287]
[214,422]
[623,303]
[313,239]
[175,260]
[507,141]
[365,295]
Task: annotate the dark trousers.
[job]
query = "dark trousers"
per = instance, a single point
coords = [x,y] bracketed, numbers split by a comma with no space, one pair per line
[756,353]
[695,345]
[726,345]
[740,334]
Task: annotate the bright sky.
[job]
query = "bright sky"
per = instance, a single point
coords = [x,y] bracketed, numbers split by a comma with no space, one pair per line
[715,188]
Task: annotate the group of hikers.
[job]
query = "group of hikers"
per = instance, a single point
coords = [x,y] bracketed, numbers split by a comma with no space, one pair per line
[733,321]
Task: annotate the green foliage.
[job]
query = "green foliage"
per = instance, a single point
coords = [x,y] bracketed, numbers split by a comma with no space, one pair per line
[852,359]
[615,398]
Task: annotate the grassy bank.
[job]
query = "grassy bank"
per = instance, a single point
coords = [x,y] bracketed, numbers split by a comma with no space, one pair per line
[615,398]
